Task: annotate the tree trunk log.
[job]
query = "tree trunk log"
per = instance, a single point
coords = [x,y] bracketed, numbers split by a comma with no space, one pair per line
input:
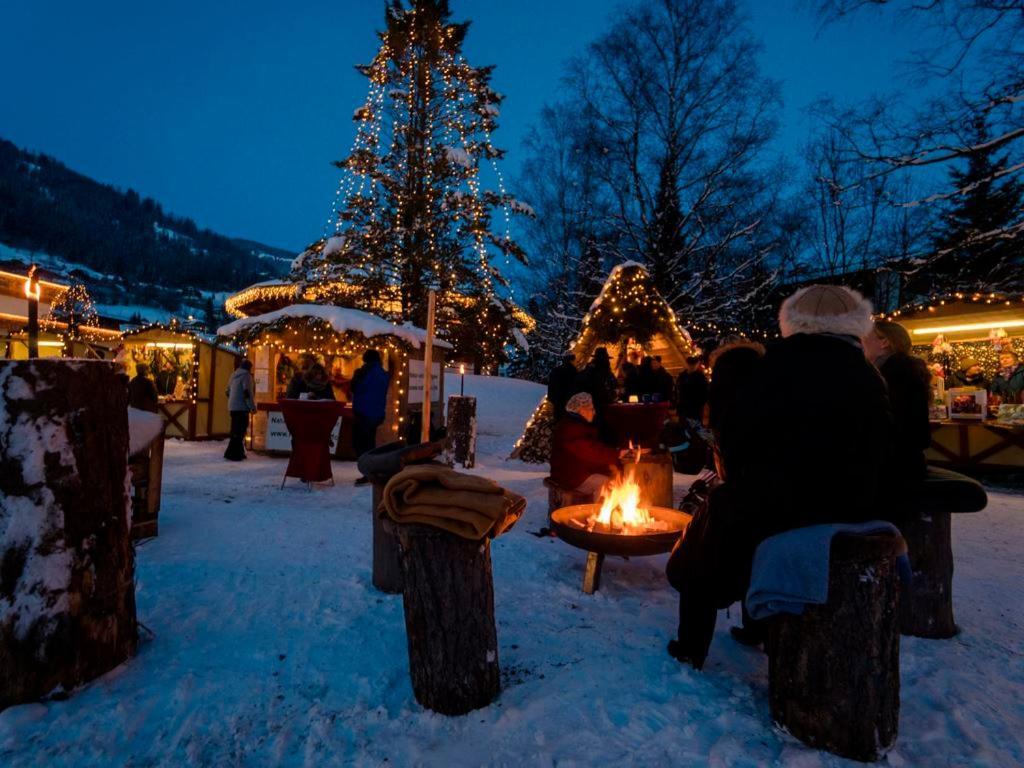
[927,608]
[67,591]
[387,568]
[834,672]
[460,445]
[449,619]
[654,476]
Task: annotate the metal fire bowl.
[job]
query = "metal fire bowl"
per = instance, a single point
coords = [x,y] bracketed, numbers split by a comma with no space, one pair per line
[621,545]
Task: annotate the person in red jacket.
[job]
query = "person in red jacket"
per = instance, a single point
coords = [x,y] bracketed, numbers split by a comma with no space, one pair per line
[579,460]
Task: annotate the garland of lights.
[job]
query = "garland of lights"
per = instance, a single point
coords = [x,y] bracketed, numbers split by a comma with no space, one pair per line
[362,193]
[174,328]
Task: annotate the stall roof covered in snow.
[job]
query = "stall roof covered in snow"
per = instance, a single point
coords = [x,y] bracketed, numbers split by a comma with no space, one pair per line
[341,319]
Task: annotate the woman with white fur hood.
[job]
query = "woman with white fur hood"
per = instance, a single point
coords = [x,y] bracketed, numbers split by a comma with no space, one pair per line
[818,438]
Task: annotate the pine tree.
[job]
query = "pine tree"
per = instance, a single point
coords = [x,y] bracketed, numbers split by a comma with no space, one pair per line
[666,244]
[412,213]
[72,309]
[975,248]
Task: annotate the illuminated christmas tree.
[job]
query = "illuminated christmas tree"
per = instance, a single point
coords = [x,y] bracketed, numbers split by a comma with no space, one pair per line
[412,213]
[70,311]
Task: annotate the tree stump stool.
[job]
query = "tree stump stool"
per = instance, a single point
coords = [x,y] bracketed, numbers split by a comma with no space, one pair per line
[460,443]
[653,474]
[448,596]
[834,671]
[67,567]
[147,471]
[387,569]
[927,608]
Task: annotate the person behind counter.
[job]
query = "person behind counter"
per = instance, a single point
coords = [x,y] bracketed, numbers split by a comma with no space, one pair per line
[142,392]
[579,459]
[369,403]
[1008,383]
[661,384]
[971,374]
[315,384]
[240,404]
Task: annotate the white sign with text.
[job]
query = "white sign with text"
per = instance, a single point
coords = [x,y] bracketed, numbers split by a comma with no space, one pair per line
[416,381]
[280,439]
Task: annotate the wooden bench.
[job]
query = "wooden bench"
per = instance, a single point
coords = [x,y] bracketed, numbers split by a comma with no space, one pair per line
[927,607]
[834,671]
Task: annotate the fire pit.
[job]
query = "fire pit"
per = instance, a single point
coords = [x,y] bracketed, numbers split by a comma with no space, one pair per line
[618,525]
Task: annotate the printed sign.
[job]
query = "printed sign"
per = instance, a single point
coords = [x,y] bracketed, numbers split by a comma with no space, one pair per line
[280,439]
[262,377]
[416,382]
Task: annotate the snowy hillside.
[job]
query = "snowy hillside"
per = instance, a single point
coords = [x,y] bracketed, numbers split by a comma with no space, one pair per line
[271,647]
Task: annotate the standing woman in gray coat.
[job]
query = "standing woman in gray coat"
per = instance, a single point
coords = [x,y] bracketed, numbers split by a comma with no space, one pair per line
[241,402]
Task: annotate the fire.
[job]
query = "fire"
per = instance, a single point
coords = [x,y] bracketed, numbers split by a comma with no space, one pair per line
[622,510]
[32,289]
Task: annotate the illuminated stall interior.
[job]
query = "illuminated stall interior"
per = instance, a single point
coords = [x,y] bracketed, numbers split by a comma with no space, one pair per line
[191,372]
[279,342]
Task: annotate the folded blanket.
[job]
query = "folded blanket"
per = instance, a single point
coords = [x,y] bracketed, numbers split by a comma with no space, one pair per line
[466,505]
[790,569]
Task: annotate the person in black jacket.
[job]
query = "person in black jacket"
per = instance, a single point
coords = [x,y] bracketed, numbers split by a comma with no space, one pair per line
[816,433]
[142,392]
[598,381]
[908,380]
[692,390]
[561,384]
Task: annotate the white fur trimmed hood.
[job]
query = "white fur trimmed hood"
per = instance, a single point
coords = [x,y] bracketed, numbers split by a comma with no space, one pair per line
[826,309]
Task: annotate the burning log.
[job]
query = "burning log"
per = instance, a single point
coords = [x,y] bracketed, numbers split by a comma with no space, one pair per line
[67,590]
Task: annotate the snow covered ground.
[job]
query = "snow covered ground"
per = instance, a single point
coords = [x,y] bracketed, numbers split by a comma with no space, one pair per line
[271,647]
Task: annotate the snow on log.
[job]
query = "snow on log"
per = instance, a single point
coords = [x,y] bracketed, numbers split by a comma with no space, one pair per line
[67,591]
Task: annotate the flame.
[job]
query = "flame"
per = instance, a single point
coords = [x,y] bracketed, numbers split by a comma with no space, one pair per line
[621,508]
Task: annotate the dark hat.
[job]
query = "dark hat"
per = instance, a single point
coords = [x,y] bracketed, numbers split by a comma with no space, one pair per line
[246,364]
[371,356]
[968,363]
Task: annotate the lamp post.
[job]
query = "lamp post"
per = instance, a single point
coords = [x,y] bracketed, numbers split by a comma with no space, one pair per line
[462,383]
[32,293]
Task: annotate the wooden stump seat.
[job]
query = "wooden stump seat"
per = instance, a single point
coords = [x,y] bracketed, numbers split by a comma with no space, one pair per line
[927,607]
[834,671]
[147,471]
[559,496]
[448,597]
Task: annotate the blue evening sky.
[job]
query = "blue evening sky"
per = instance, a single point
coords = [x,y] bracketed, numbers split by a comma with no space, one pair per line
[230,112]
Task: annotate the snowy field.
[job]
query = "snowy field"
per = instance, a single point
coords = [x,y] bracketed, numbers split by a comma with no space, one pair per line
[270,647]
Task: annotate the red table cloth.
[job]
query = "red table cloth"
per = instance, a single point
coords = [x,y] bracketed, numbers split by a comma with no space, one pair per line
[310,423]
[640,423]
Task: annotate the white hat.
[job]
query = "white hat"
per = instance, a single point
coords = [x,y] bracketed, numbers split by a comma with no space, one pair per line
[826,309]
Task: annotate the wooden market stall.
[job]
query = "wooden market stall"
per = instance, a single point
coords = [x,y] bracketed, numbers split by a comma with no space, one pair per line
[276,342]
[948,330]
[191,372]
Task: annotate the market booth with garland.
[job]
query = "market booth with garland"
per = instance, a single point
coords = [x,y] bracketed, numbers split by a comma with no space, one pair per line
[191,372]
[969,430]
[276,342]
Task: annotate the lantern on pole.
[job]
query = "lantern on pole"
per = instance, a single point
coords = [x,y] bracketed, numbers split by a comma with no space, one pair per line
[32,293]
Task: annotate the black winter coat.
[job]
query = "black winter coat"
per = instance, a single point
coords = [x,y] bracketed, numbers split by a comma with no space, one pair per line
[599,383]
[691,394]
[909,383]
[561,386]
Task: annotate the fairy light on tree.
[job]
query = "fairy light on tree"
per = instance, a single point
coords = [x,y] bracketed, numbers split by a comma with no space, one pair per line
[72,308]
[412,213]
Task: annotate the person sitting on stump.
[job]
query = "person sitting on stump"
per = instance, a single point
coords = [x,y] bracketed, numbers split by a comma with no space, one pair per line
[369,404]
[811,442]
[142,392]
[579,460]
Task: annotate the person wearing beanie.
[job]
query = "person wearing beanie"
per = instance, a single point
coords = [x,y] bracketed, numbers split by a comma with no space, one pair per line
[908,382]
[818,437]
[971,374]
[579,460]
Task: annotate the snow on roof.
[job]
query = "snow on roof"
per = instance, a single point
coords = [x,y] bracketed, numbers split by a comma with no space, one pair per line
[341,319]
[608,280]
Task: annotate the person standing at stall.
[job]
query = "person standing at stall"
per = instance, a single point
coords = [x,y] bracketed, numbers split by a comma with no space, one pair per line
[661,382]
[142,392]
[241,403]
[692,390]
[369,404]
[971,374]
[560,384]
[1008,383]
[314,384]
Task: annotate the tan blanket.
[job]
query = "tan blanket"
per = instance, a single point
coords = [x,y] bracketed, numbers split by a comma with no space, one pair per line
[466,505]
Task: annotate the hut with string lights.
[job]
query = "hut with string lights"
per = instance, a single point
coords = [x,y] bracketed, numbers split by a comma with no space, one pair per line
[191,371]
[628,316]
[280,341]
[948,331]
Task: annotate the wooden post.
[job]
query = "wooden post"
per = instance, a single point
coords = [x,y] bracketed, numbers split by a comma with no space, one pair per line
[68,564]
[448,594]
[592,573]
[460,443]
[32,293]
[428,365]
[834,671]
